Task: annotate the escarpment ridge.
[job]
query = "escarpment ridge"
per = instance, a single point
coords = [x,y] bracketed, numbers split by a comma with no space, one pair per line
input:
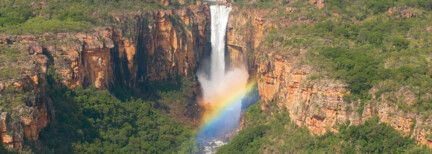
[155,45]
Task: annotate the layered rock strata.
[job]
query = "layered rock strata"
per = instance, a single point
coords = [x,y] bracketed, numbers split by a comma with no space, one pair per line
[140,47]
[286,81]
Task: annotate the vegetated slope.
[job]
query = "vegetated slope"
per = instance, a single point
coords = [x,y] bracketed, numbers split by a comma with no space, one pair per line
[265,133]
[100,121]
[36,17]
[89,120]
[366,44]
[12,61]
[95,121]
[378,49]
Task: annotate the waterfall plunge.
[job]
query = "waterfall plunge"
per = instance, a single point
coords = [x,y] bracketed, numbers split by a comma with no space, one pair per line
[221,83]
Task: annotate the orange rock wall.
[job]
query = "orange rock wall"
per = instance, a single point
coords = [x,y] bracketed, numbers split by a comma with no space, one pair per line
[153,46]
[283,81]
[319,106]
[29,119]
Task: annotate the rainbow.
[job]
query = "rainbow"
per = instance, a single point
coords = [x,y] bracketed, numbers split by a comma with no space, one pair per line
[215,111]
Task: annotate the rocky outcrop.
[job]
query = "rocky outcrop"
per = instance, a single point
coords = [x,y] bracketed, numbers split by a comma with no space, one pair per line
[400,12]
[25,121]
[14,139]
[318,3]
[177,41]
[312,101]
[165,2]
[318,104]
[247,28]
[25,109]
[244,34]
[161,45]
[140,47]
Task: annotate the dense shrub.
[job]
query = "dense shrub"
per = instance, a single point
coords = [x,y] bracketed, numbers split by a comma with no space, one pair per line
[354,67]
[29,17]
[279,135]
[11,62]
[248,141]
[95,121]
[375,137]
[401,43]
[361,44]
[379,6]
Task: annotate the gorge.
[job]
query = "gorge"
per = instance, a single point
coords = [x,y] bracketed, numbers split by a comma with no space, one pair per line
[191,67]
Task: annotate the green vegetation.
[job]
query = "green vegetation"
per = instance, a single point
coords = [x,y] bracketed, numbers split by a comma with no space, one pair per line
[40,25]
[7,150]
[11,62]
[357,42]
[277,134]
[260,4]
[94,121]
[179,103]
[36,17]
[355,68]
[11,98]
[175,98]
[360,43]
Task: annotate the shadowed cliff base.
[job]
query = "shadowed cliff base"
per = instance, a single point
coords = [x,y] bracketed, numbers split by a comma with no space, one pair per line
[119,59]
[327,69]
[327,63]
[265,133]
[95,121]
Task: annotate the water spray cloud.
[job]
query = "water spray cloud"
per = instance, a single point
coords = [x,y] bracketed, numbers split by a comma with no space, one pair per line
[223,89]
[216,111]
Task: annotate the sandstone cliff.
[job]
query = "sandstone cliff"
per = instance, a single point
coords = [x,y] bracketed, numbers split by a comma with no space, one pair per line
[160,45]
[319,105]
[140,47]
[286,81]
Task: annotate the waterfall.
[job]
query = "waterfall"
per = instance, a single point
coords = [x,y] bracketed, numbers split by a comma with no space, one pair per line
[219,21]
[223,88]
[214,84]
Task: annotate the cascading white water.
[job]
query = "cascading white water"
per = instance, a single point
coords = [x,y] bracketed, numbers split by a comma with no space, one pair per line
[219,21]
[219,18]
[221,83]
[213,84]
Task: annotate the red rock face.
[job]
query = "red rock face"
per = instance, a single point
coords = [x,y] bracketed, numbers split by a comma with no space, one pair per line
[29,119]
[316,104]
[171,43]
[319,105]
[180,47]
[162,45]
